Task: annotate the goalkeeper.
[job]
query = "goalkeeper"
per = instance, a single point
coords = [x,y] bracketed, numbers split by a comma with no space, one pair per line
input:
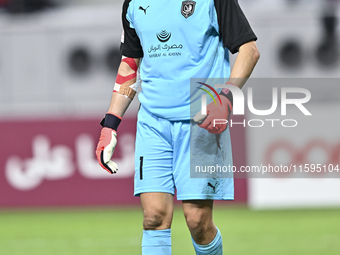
[170,42]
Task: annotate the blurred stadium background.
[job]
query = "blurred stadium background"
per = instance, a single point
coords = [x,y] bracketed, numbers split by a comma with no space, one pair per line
[58,62]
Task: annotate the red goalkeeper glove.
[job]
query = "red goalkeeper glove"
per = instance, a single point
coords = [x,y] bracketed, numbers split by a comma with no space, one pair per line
[107,142]
[216,120]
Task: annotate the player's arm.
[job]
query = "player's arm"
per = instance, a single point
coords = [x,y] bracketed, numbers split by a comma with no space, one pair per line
[125,89]
[248,55]
[244,64]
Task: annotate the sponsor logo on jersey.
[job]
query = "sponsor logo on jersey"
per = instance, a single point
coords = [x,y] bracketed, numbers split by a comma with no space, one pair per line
[188,8]
[163,36]
[164,49]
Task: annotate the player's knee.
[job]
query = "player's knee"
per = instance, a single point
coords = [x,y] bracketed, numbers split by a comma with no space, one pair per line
[152,221]
[156,219]
[198,222]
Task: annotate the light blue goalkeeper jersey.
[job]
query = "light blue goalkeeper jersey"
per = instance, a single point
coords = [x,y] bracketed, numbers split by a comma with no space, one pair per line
[178,40]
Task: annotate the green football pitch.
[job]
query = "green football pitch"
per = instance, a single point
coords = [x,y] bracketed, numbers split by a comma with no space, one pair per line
[118,231]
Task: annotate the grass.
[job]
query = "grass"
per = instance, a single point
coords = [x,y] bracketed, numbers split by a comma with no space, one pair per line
[118,231]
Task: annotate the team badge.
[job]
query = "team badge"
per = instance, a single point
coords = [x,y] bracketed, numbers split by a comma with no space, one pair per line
[188,8]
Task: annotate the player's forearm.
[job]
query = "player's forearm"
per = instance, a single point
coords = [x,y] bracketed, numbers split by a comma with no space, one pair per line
[244,64]
[119,104]
[125,87]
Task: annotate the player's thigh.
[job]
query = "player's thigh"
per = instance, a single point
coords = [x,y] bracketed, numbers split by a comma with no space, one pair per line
[157,210]
[153,155]
[195,146]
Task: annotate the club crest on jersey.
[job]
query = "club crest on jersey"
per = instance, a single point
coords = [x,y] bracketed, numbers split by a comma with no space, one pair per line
[188,8]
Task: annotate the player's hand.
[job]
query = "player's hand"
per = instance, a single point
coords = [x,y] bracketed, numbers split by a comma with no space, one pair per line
[216,120]
[105,148]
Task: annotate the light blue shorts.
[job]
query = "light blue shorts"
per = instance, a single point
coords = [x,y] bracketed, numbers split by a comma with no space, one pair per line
[165,159]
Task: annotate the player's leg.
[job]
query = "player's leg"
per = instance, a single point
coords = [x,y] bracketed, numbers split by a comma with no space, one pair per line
[157,212]
[195,146]
[206,238]
[154,181]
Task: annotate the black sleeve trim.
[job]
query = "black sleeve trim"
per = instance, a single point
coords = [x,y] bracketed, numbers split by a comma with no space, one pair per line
[246,38]
[234,27]
[131,47]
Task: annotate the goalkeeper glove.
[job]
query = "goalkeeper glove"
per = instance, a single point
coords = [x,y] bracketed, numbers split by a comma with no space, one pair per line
[107,142]
[216,120]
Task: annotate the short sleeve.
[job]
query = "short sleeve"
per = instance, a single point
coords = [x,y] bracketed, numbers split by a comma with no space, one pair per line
[131,46]
[234,27]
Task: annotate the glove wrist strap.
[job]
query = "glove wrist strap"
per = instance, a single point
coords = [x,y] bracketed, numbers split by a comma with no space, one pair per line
[111,121]
[227,93]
